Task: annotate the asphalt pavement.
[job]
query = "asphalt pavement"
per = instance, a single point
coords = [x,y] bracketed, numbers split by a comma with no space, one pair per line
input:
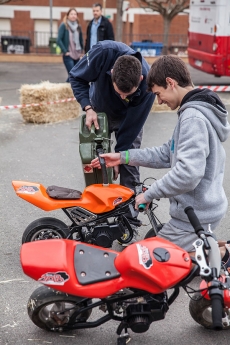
[48,154]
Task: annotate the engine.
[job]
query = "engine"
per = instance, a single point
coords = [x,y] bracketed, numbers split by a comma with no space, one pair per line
[144,311]
[103,235]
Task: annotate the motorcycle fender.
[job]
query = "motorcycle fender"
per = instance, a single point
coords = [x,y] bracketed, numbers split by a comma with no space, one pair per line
[226,293]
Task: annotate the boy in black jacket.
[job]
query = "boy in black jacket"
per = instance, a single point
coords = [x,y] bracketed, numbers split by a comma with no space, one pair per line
[111,78]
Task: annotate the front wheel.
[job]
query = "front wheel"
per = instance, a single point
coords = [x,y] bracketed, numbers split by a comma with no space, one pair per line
[152,232]
[52,310]
[200,309]
[44,229]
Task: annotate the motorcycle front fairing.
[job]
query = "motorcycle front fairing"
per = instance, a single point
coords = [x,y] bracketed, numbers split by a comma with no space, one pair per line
[153,265]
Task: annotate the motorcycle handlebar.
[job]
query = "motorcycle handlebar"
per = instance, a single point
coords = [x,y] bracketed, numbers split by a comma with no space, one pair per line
[217,310]
[193,219]
[215,294]
[141,207]
[103,167]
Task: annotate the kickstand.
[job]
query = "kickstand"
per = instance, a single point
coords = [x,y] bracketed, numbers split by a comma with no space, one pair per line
[124,338]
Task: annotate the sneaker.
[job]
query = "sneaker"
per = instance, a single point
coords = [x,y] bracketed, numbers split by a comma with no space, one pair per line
[133,240]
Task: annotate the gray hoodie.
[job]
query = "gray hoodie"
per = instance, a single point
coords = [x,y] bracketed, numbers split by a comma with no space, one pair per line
[196,158]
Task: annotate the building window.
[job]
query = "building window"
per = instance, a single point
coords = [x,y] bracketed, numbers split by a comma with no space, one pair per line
[42,32]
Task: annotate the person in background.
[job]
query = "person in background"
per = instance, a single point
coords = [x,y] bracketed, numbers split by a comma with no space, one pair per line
[99,29]
[70,39]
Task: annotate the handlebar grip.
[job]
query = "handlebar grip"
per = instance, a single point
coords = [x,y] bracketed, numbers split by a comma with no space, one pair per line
[141,207]
[103,170]
[193,219]
[217,311]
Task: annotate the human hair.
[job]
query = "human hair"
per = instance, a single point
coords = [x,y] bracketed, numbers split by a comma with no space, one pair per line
[97,5]
[66,16]
[126,74]
[168,66]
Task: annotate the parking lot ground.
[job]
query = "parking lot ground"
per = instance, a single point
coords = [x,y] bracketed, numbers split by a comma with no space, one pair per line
[48,154]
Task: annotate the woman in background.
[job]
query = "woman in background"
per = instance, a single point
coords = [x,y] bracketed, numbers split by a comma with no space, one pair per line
[70,39]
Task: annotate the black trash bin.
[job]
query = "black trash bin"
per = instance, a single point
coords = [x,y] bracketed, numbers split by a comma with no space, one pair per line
[15,44]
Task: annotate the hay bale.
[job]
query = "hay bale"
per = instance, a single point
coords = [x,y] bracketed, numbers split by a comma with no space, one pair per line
[48,92]
[159,107]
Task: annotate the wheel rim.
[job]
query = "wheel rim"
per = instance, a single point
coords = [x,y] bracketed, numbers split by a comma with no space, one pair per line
[56,315]
[207,315]
[46,234]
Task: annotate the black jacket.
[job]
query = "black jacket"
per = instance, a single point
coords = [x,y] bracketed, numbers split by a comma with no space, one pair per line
[92,85]
[104,32]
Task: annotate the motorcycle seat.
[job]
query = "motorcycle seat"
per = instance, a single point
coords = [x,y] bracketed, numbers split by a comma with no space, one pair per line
[93,265]
[56,192]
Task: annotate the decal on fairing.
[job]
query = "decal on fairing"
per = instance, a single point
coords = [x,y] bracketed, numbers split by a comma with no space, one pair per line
[144,256]
[57,278]
[117,201]
[27,190]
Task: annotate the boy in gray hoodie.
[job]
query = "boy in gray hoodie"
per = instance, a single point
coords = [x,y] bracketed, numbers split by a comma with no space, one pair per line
[194,153]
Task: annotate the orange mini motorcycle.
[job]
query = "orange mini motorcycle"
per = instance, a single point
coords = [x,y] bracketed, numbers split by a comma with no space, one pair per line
[101,214]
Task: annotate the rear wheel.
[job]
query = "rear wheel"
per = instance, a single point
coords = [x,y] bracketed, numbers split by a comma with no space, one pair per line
[44,229]
[200,309]
[52,310]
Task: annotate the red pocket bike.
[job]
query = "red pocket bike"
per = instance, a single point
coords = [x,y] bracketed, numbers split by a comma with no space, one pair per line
[101,214]
[130,287]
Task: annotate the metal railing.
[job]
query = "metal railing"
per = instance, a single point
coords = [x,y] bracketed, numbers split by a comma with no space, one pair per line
[27,42]
[41,42]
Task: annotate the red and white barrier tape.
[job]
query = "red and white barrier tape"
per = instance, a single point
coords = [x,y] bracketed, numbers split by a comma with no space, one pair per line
[5,107]
[216,88]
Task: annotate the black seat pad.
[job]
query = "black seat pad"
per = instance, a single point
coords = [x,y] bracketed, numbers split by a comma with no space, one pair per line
[56,192]
[93,265]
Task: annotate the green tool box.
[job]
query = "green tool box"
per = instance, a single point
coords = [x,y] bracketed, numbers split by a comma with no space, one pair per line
[90,140]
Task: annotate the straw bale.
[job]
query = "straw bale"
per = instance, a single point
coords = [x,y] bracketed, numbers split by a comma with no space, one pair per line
[48,92]
[159,107]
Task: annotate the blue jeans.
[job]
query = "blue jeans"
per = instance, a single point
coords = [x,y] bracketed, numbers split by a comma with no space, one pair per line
[69,64]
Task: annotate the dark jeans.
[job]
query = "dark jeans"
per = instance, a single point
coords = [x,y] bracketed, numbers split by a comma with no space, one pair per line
[128,173]
[69,63]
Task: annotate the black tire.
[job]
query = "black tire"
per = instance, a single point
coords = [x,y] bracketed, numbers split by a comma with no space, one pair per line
[200,309]
[51,309]
[151,232]
[44,229]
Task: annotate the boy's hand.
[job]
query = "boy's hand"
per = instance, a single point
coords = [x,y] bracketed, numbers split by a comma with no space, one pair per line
[140,200]
[111,160]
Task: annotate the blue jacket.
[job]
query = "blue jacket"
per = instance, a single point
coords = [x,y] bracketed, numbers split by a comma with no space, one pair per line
[95,67]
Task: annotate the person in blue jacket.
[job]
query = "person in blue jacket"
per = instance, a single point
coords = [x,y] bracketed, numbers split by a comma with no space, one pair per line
[70,39]
[111,78]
